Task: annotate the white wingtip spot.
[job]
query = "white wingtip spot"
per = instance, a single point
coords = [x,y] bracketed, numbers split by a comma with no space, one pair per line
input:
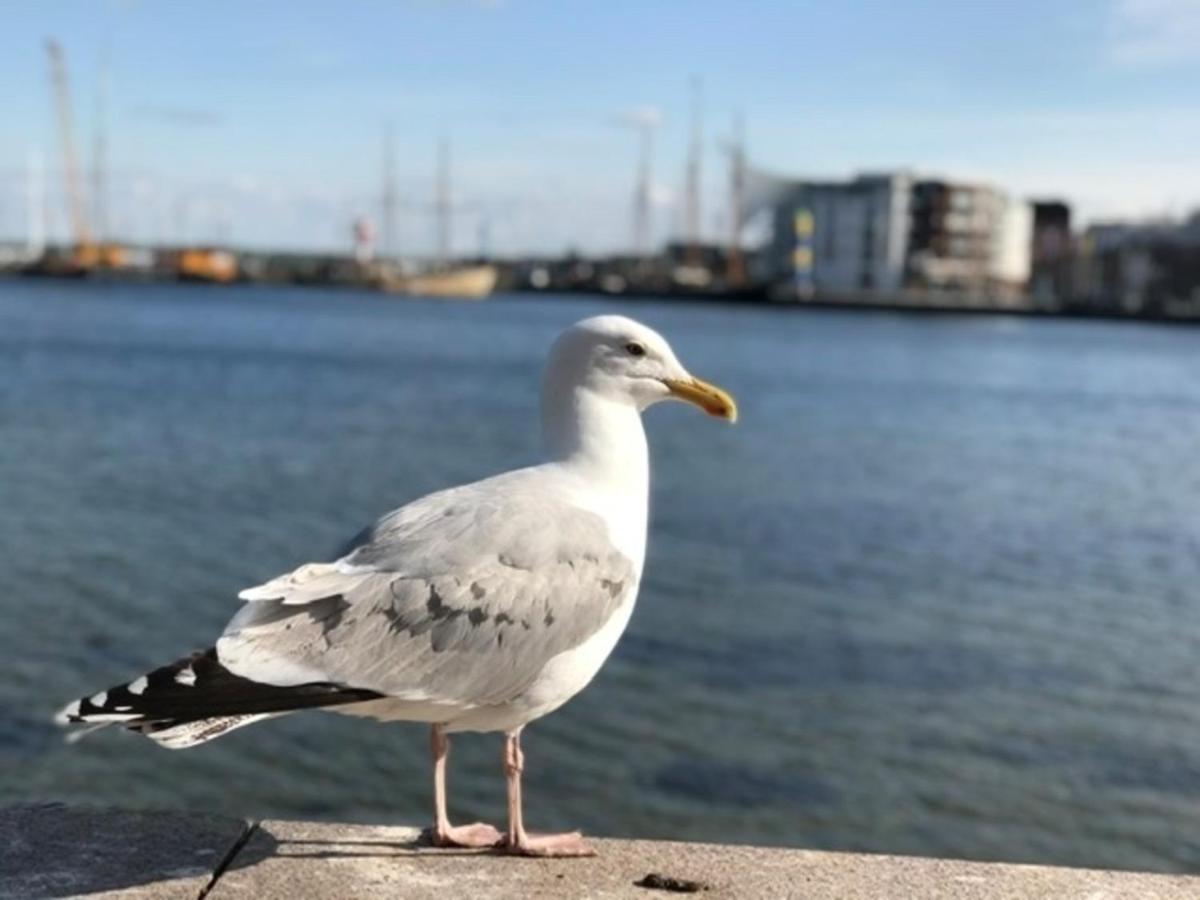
[64,715]
[186,676]
[110,717]
[137,686]
[99,699]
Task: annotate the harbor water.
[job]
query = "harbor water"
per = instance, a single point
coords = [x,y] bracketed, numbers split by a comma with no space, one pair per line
[937,592]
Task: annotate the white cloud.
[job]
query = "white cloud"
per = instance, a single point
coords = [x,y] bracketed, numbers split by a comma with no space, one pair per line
[1155,32]
[641,117]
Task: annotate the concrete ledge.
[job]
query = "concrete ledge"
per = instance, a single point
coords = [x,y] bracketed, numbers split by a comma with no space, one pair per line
[51,850]
[55,851]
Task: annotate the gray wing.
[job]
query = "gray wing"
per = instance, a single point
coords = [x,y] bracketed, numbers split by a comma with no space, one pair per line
[460,598]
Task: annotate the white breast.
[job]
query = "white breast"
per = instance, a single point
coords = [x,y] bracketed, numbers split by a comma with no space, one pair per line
[572,670]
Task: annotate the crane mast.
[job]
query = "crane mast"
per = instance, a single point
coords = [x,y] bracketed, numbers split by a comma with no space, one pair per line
[80,233]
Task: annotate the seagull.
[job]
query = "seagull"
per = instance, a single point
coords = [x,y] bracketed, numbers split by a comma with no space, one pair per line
[480,608]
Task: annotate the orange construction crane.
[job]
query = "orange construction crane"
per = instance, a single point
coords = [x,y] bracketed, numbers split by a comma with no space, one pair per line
[86,254]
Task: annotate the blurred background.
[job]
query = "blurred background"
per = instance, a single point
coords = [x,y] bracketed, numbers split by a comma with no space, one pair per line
[934,593]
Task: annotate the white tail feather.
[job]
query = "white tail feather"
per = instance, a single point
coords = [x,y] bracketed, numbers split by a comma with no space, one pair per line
[189,734]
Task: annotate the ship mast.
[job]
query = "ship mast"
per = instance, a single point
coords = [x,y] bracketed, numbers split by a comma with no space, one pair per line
[644,122]
[387,242]
[736,270]
[695,152]
[442,203]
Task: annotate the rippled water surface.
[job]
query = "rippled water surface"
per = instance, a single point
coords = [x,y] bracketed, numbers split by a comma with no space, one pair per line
[936,593]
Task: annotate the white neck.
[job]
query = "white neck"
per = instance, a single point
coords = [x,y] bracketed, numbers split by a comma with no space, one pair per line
[599,438]
[602,444]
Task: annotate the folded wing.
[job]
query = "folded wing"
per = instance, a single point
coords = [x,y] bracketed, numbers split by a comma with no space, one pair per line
[461,598]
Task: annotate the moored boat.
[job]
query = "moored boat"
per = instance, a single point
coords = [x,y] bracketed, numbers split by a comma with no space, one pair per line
[465,283]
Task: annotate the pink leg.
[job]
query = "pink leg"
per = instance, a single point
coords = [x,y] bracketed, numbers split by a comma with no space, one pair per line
[443,834]
[518,840]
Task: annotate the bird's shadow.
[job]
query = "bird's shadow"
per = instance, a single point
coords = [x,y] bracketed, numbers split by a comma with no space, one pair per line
[310,848]
[52,850]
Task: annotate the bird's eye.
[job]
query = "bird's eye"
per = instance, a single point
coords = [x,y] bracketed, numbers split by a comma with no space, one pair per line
[633,348]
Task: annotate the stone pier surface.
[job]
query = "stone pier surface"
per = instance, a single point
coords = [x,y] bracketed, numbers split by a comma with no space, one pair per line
[51,850]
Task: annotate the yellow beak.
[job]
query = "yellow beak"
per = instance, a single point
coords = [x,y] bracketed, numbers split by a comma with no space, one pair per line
[708,397]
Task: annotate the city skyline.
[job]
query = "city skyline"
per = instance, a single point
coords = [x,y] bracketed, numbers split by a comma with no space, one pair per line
[264,126]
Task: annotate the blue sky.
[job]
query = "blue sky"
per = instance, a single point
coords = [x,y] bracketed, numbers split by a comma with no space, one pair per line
[262,121]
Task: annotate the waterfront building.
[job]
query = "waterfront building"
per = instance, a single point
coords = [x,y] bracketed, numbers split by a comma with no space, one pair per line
[1050,275]
[1148,268]
[883,234]
[842,237]
[971,239]
[1011,249]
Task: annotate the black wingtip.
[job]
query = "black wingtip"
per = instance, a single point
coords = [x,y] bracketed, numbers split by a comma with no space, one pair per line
[196,688]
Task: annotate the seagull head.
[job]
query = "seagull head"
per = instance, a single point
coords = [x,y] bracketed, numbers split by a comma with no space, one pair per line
[628,363]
